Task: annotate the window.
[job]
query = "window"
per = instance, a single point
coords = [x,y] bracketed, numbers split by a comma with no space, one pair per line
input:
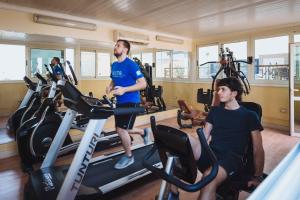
[271,58]
[136,55]
[104,65]
[41,57]
[147,57]
[70,57]
[13,62]
[239,50]
[180,64]
[88,63]
[163,64]
[297,38]
[207,54]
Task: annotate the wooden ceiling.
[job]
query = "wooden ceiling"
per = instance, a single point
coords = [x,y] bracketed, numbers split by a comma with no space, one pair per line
[190,18]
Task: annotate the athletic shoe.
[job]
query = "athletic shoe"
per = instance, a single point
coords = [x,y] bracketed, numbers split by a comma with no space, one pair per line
[124,162]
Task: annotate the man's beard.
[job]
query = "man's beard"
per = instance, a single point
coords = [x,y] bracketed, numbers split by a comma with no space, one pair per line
[118,55]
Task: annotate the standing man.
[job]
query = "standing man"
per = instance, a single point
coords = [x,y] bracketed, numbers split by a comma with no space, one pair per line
[127,81]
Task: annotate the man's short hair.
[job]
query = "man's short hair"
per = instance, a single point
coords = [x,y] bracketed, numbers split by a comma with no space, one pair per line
[56,59]
[234,85]
[126,45]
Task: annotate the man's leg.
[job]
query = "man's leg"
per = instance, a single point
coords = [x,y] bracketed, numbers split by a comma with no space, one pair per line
[209,191]
[196,147]
[137,131]
[145,134]
[126,141]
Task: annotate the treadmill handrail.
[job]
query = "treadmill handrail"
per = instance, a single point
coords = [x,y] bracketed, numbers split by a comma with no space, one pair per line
[73,96]
[176,181]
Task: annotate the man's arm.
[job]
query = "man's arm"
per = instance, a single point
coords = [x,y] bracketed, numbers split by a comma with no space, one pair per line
[140,85]
[109,87]
[207,129]
[258,153]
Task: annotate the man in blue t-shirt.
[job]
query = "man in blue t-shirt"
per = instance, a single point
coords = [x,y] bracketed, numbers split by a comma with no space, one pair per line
[228,128]
[127,81]
[58,70]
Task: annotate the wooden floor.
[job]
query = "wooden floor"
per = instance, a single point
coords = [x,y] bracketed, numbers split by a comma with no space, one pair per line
[12,180]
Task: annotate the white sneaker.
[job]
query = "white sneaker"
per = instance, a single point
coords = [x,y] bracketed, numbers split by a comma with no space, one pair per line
[124,162]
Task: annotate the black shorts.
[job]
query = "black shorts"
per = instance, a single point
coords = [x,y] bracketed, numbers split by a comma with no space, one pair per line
[126,121]
[230,161]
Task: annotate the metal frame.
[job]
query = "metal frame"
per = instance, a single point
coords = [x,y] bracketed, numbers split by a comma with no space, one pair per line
[284,180]
[26,98]
[81,160]
[168,170]
[292,90]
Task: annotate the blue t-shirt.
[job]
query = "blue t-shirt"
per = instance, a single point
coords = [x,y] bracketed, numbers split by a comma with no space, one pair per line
[125,74]
[58,70]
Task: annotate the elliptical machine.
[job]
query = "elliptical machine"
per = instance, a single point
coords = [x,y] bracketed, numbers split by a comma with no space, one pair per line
[152,98]
[44,121]
[36,135]
[32,100]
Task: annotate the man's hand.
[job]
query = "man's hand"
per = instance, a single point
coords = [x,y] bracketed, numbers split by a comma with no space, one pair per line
[118,90]
[108,89]
[254,182]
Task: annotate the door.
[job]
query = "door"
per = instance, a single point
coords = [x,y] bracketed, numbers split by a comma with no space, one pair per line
[295,89]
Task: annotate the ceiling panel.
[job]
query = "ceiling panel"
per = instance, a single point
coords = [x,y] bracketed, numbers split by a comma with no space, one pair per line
[191,18]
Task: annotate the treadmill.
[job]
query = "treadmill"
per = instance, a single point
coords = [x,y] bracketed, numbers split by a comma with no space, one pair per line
[86,176]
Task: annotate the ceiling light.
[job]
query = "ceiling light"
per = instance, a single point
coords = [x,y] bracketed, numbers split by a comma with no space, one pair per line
[42,19]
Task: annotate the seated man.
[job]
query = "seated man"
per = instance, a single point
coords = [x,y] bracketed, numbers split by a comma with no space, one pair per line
[228,126]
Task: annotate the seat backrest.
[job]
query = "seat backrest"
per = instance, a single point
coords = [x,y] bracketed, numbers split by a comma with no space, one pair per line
[171,141]
[183,107]
[248,160]
[253,107]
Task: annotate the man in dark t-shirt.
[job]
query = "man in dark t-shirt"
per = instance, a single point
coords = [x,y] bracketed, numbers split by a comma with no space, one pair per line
[228,128]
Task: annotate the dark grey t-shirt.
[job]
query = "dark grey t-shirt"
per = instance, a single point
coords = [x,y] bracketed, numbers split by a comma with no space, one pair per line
[231,129]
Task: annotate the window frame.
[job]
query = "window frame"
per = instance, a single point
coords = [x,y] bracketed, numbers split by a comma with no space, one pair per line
[170,67]
[5,42]
[96,50]
[198,79]
[188,68]
[275,83]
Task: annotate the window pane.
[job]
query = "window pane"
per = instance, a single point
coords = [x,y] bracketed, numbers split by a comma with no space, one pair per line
[271,58]
[147,57]
[136,55]
[70,57]
[13,62]
[88,63]
[41,57]
[206,54]
[239,50]
[103,64]
[297,38]
[180,64]
[163,63]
